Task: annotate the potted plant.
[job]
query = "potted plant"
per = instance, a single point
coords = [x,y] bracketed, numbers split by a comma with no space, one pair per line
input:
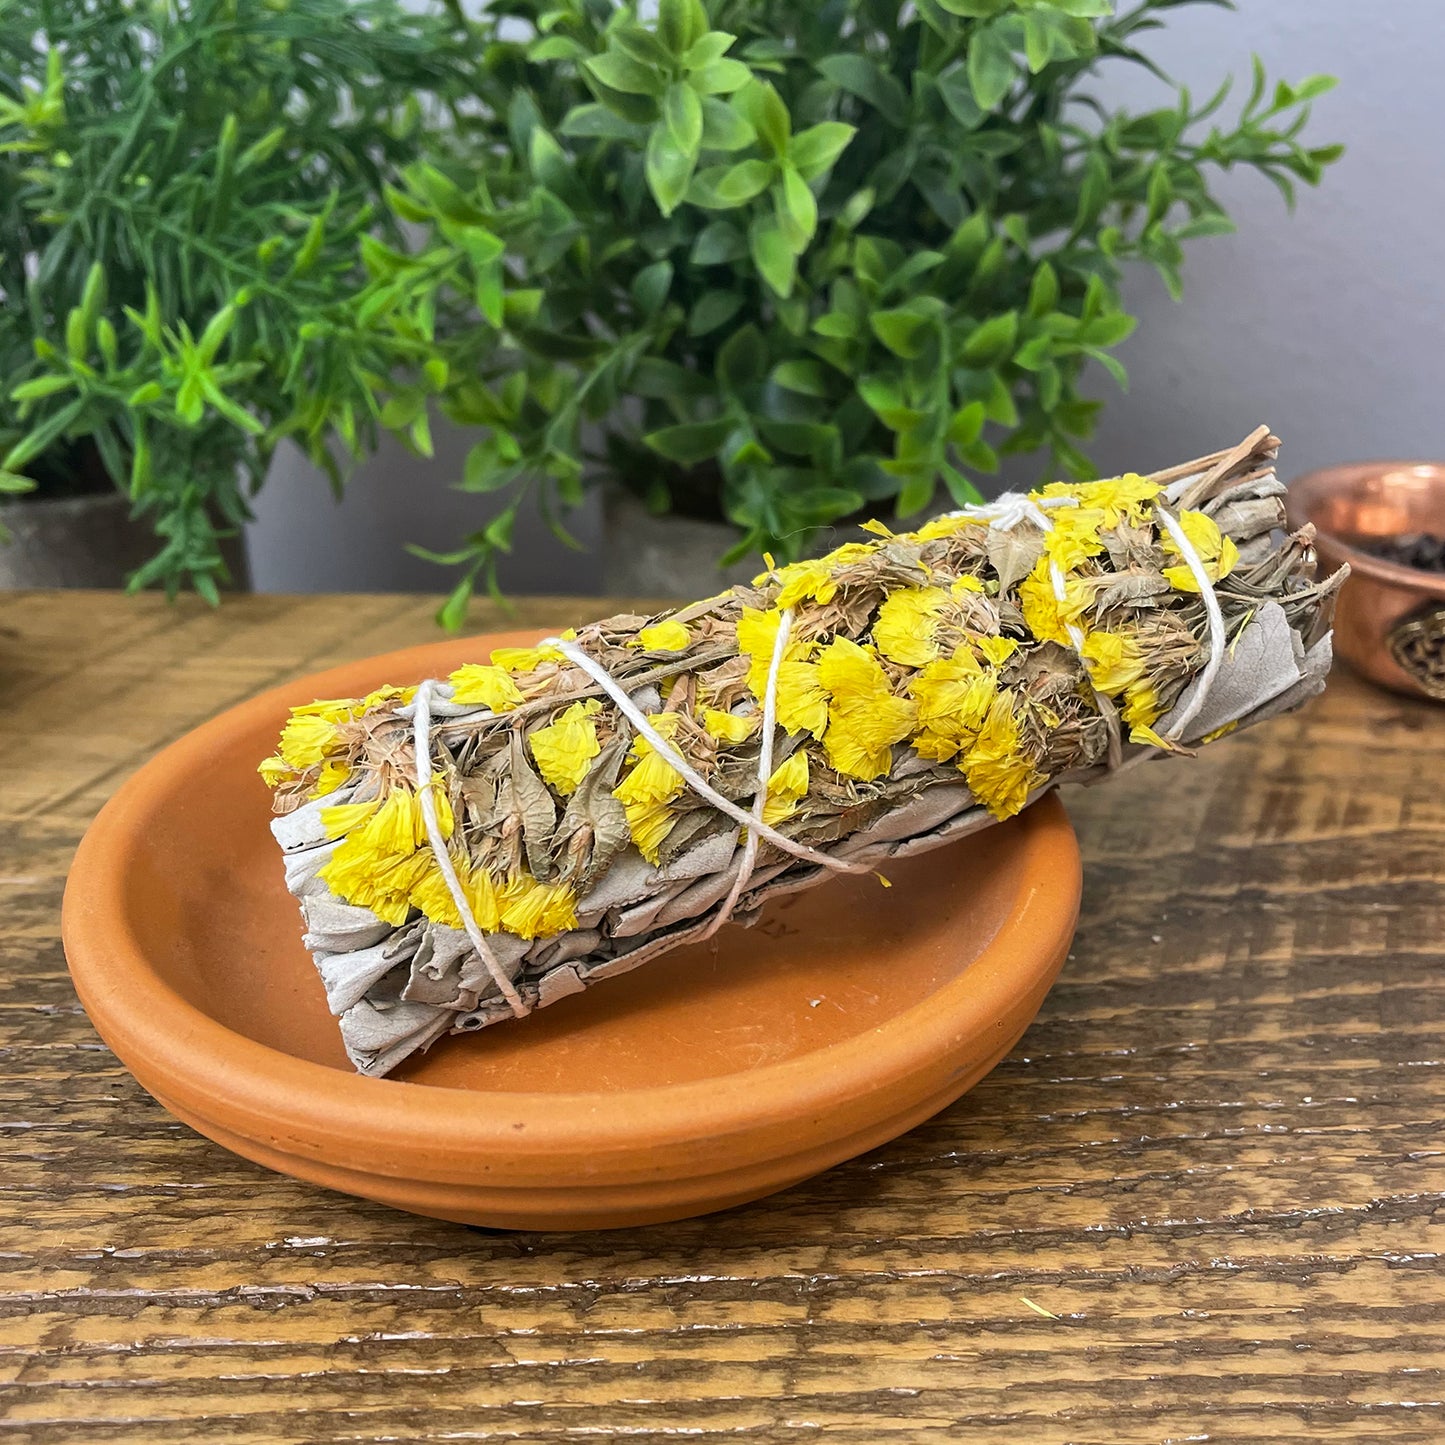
[194,258]
[772,262]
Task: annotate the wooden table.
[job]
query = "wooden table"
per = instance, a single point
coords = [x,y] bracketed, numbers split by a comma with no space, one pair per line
[1198,1202]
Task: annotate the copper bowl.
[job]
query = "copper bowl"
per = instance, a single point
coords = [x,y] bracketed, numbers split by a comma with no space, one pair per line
[1390,620]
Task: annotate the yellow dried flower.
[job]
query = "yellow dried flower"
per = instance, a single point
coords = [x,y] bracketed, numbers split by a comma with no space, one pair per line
[786,788]
[525,659]
[805,581]
[274,770]
[532,909]
[306,739]
[564,750]
[1074,536]
[848,671]
[341,818]
[431,896]
[648,788]
[802,704]
[1216,551]
[669,636]
[731,727]
[864,718]
[490,686]
[1000,775]
[907,625]
[1114,661]
[333,774]
[997,650]
[1046,616]
[332,709]
[1119,498]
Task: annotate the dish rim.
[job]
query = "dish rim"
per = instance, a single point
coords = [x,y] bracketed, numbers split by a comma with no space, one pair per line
[318,1112]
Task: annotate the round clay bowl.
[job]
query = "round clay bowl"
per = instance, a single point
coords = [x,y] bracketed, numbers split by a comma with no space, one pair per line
[708,1077]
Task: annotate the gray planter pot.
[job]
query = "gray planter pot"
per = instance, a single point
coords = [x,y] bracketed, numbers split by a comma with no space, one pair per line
[669,556]
[85,542]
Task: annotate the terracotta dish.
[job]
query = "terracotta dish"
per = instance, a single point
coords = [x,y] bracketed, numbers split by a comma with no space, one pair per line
[712,1076]
[1390,619]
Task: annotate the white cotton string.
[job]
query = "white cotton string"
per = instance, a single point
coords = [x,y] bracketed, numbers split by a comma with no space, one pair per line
[421,735]
[765,774]
[1005,512]
[1217,636]
[691,776]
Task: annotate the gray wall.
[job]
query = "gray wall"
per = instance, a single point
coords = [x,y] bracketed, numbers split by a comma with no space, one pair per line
[1327,324]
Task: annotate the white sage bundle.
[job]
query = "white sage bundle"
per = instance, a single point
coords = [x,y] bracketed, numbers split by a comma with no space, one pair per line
[475,847]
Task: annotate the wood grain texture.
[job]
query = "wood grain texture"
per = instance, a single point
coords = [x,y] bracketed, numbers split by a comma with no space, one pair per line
[1216,1158]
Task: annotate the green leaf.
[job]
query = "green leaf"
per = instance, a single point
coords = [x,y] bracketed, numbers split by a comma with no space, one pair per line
[484,470]
[650,287]
[742,360]
[718,243]
[453,612]
[498,532]
[762,107]
[712,310]
[218,328]
[720,77]
[956,92]
[772,255]
[864,78]
[1043,291]
[682,109]
[555,47]
[810,378]
[967,424]
[146,394]
[723,129]
[1093,191]
[668,169]
[816,149]
[991,342]
[884,398]
[798,211]
[680,24]
[707,48]
[623,73]
[991,68]
[724,187]
[40,387]
[690,442]
[901,331]
[1209,224]
[594,122]
[836,324]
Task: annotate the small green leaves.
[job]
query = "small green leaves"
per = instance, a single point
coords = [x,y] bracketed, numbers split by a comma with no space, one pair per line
[772,254]
[815,150]
[669,169]
[682,110]
[990,342]
[690,443]
[991,68]
[762,107]
[622,73]
[829,259]
[861,76]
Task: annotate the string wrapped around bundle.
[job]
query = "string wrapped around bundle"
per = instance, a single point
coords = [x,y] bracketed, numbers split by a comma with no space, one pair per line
[470,849]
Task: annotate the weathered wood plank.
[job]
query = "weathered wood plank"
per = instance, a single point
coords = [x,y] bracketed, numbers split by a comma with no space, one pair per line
[1216,1158]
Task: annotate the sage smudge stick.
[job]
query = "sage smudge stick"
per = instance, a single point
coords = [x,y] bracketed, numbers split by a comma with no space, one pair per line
[923,684]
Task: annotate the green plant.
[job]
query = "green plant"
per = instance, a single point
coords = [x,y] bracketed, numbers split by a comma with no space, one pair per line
[780,260]
[194,256]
